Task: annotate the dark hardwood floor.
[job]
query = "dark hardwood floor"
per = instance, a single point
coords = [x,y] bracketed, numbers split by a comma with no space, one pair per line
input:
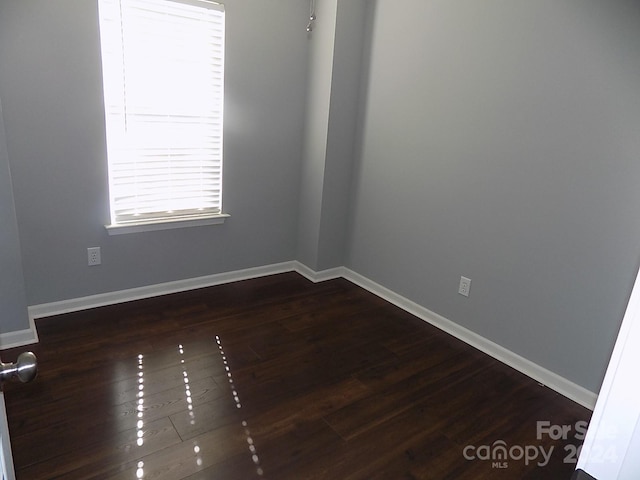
[275,378]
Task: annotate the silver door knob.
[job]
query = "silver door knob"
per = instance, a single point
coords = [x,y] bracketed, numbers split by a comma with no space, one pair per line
[25,368]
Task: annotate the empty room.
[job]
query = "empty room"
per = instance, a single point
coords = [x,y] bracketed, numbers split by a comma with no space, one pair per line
[319,239]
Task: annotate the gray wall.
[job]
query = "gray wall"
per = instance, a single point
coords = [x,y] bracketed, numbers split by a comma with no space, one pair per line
[501,142]
[13,299]
[350,37]
[318,102]
[50,85]
[335,57]
[497,140]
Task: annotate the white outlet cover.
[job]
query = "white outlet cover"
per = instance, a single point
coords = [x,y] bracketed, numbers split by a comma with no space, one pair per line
[93,256]
[465,286]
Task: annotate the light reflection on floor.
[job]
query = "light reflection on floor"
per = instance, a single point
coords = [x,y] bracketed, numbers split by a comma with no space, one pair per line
[236,398]
[140,409]
[189,400]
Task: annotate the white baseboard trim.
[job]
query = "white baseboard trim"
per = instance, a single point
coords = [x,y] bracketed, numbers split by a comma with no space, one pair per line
[552,380]
[320,276]
[560,384]
[139,293]
[20,338]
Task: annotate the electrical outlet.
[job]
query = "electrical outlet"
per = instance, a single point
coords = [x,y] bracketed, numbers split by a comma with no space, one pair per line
[93,254]
[465,286]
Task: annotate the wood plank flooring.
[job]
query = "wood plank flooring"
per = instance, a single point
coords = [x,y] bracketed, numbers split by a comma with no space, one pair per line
[275,378]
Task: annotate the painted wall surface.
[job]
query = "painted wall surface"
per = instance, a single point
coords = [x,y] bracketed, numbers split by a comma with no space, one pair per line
[335,57]
[50,84]
[497,140]
[500,142]
[318,101]
[13,299]
[350,38]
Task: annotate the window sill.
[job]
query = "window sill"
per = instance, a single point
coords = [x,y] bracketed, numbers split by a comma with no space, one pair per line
[165,224]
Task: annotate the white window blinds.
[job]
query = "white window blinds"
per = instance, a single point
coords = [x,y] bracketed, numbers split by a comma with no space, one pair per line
[163,72]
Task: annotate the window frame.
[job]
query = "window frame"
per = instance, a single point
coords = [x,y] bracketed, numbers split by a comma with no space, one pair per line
[209,210]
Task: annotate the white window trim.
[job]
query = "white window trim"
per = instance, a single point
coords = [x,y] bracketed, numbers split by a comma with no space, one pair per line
[190,218]
[166,224]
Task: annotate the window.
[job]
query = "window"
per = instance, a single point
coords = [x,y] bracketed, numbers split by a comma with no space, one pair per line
[163,77]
